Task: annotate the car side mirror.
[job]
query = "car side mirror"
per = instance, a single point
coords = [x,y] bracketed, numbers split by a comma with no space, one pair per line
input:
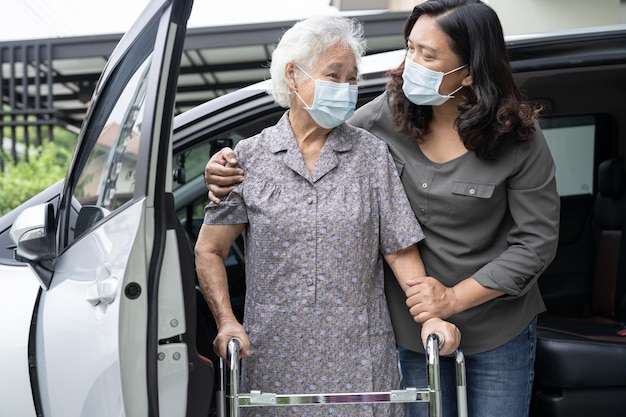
[34,233]
[87,217]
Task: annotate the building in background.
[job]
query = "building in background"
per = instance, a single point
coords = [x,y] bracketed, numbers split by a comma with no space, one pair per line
[47,83]
[523,16]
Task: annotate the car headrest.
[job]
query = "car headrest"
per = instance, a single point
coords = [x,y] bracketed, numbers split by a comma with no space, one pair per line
[611,178]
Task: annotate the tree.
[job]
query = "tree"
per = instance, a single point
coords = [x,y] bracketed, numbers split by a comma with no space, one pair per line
[24,179]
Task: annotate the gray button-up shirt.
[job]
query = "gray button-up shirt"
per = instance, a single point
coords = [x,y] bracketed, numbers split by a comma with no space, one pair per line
[496,221]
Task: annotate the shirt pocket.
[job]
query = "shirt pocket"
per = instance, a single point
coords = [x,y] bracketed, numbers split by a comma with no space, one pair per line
[471,201]
[473,189]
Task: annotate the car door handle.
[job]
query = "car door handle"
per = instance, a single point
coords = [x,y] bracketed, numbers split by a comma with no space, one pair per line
[104,289]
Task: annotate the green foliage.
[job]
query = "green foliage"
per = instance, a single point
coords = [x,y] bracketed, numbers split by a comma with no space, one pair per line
[23,180]
[63,138]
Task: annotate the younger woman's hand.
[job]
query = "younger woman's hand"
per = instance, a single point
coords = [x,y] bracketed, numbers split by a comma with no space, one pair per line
[221,174]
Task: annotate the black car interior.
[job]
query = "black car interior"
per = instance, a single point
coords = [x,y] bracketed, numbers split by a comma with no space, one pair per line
[581,359]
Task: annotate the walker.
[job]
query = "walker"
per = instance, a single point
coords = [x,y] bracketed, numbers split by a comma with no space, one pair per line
[231,403]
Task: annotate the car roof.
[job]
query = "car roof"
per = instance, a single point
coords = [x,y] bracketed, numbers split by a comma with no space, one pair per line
[568,48]
[546,51]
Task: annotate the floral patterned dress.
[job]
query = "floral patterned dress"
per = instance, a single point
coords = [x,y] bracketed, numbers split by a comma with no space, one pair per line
[315,308]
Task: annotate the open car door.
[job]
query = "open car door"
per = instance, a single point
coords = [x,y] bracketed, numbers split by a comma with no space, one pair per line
[114,331]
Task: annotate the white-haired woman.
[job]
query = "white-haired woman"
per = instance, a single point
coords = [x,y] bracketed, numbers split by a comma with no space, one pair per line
[320,208]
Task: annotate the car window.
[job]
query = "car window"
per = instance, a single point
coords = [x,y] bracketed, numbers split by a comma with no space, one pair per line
[108,178]
[190,192]
[572,141]
[103,176]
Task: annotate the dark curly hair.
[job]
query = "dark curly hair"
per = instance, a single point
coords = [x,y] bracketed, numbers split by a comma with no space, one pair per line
[493,105]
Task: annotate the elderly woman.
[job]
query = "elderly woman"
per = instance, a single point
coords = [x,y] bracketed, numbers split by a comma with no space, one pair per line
[320,208]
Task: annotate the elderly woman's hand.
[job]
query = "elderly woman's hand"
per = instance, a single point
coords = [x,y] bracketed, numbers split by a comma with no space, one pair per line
[227,331]
[447,331]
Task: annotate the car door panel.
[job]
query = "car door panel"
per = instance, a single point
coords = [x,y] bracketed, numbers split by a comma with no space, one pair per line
[110,329]
[18,294]
[68,306]
[172,356]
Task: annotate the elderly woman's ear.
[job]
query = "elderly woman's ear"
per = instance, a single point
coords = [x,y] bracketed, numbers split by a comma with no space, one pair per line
[290,75]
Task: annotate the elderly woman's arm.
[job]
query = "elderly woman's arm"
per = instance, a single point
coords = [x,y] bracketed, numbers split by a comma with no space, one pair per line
[212,247]
[407,265]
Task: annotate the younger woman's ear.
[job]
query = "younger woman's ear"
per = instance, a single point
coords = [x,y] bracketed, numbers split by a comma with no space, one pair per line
[467,81]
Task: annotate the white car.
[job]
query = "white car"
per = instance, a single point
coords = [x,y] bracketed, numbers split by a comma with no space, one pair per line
[100,314]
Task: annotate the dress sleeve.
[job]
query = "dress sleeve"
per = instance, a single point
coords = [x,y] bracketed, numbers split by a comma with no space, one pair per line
[534,206]
[399,227]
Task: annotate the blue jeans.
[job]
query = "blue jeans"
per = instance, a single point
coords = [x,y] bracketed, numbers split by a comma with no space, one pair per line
[499,381]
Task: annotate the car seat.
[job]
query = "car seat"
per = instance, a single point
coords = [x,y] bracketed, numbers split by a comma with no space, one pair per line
[580,367]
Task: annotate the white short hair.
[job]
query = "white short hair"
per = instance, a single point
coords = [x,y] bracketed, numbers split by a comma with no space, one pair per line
[305,41]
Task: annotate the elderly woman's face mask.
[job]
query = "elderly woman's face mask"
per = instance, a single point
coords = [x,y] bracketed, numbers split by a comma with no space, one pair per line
[333,103]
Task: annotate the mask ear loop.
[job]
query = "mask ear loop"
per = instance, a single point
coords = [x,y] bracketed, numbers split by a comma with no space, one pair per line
[306,106]
[454,92]
[450,72]
[306,73]
[446,73]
